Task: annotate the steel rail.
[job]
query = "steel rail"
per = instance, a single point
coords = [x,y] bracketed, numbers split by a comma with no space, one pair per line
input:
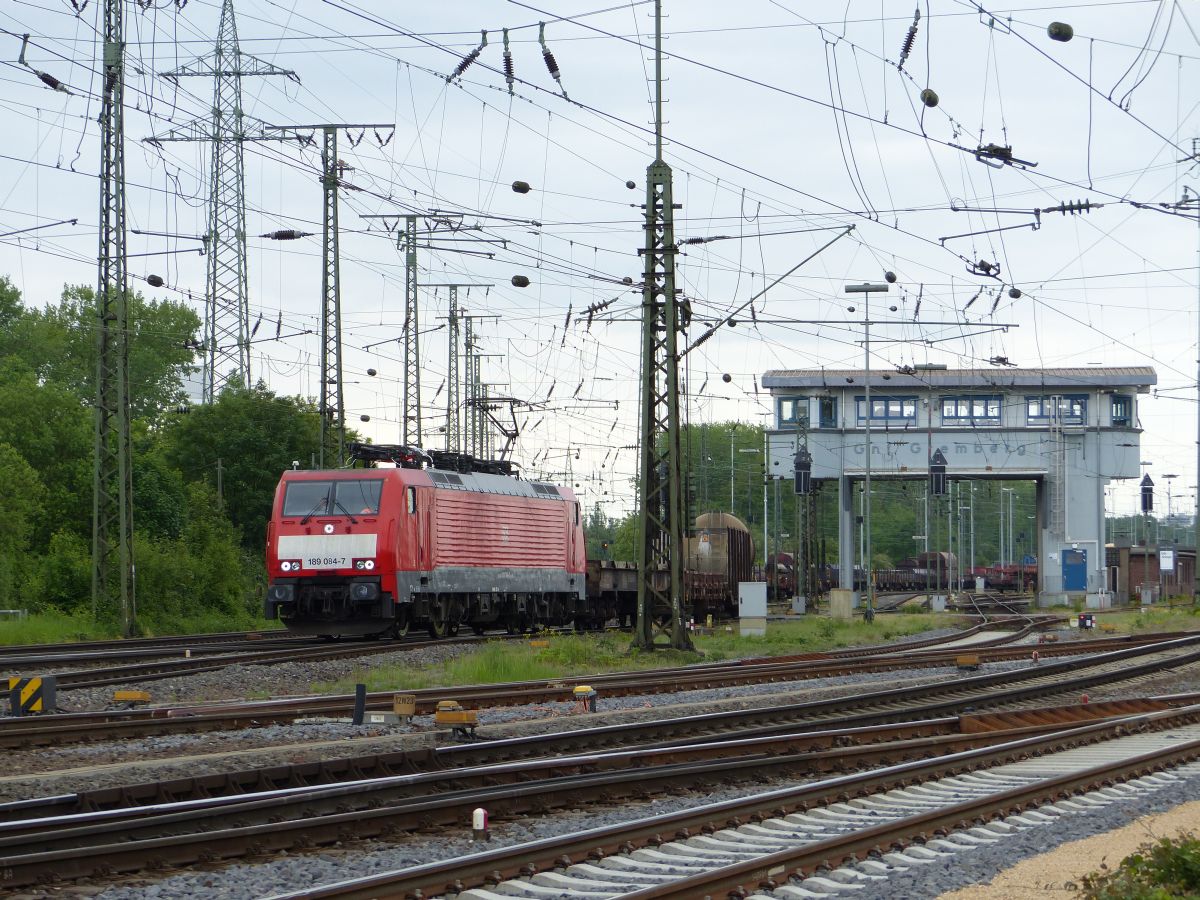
[884,740]
[769,872]
[68,852]
[492,867]
[66,728]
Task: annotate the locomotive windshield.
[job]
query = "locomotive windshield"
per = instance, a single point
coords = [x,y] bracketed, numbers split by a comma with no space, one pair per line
[337,498]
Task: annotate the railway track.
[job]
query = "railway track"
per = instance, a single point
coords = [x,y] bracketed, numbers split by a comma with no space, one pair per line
[828,834]
[127,839]
[73,727]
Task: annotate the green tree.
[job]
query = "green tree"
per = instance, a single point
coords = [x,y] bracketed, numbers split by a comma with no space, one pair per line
[59,344]
[52,430]
[20,511]
[254,435]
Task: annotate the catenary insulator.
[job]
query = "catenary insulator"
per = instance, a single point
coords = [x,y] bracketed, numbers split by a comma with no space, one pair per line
[154,280]
[372,372]
[520,281]
[929,97]
[627,280]
[1060,31]
[1015,293]
[509,77]
[52,82]
[364,418]
[889,277]
[520,187]
[727,378]
[465,62]
[286,234]
[631,184]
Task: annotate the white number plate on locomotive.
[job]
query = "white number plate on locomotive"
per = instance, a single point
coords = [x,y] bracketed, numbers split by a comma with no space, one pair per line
[326,551]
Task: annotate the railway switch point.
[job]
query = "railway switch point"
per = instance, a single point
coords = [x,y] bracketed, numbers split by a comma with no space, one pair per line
[586,695]
[479,825]
[131,699]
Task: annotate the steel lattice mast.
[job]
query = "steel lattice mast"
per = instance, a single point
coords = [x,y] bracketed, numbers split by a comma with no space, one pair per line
[112,483]
[661,518]
[410,413]
[226,296]
[453,415]
[332,409]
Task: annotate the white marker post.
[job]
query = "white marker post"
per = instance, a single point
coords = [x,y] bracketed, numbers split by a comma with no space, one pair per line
[479,825]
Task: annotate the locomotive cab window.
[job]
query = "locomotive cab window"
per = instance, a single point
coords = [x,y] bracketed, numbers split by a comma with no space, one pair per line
[332,498]
[307,498]
[358,497]
[411,498]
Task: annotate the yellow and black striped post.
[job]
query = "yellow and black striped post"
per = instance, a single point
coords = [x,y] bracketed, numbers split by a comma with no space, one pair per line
[32,696]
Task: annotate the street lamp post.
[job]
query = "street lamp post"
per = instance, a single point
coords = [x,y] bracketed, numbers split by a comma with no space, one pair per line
[867,290]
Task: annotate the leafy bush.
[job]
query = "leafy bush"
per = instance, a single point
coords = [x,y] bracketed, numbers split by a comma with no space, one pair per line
[1156,871]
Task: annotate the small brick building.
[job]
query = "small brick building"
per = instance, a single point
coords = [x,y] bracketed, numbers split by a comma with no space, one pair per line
[1131,565]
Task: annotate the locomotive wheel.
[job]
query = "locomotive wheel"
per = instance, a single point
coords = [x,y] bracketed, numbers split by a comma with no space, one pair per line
[399,630]
[452,630]
[437,625]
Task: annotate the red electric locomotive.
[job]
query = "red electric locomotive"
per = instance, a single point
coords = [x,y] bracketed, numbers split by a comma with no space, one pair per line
[432,540]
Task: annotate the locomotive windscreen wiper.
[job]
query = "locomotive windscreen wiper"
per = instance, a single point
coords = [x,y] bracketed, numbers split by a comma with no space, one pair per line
[316,508]
[337,504]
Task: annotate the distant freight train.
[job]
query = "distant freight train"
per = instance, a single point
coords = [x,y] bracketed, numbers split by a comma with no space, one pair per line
[441,540]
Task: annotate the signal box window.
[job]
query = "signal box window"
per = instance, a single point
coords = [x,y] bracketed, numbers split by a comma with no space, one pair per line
[892,410]
[982,410]
[1122,411]
[792,410]
[1072,409]
[827,412]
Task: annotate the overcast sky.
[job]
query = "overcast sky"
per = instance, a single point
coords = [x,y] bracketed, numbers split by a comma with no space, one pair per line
[786,122]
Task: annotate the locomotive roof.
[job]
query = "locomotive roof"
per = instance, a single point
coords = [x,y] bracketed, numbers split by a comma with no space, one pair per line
[479,482]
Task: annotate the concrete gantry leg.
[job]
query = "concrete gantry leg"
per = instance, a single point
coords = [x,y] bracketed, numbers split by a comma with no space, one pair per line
[845,533]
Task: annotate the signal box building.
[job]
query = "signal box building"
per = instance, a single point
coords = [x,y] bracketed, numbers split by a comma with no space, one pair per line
[1069,430]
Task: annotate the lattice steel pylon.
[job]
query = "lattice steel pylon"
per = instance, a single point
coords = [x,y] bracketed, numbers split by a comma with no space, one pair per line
[661,517]
[332,404]
[226,297]
[112,474]
[453,405]
[410,413]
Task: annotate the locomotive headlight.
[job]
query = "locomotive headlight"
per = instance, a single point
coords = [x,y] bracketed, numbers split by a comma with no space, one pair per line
[364,564]
[290,565]
[286,566]
[369,565]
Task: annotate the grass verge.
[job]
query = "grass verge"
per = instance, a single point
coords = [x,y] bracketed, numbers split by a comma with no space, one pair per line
[570,655]
[60,628]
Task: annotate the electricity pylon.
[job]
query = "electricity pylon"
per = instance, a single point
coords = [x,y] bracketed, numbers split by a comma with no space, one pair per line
[226,298]
[112,475]
[661,525]
[332,409]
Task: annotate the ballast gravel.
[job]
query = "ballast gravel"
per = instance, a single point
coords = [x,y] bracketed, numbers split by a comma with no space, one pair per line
[240,682]
[219,751]
[290,873]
